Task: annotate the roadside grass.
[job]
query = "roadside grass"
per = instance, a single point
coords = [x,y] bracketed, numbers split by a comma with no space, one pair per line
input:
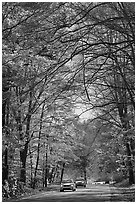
[30,191]
[126,191]
[123,183]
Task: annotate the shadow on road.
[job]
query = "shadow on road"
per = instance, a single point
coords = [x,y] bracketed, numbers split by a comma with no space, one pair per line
[93,193]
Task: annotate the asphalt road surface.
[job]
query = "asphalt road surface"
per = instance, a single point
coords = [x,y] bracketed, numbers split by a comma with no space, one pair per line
[92,193]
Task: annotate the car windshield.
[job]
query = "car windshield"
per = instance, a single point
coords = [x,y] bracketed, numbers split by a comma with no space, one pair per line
[80,179]
[67,181]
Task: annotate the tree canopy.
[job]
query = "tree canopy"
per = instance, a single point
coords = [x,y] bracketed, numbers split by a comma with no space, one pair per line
[58,57]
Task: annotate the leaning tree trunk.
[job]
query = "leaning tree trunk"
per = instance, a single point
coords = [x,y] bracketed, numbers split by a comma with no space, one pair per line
[38,149]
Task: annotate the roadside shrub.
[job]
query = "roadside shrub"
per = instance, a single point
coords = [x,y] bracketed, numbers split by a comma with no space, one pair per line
[12,188]
[118,177]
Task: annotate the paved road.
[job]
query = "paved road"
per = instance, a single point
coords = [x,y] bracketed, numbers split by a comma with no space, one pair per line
[93,193]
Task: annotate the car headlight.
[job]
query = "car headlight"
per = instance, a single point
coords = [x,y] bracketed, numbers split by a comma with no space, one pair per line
[72,185]
[61,185]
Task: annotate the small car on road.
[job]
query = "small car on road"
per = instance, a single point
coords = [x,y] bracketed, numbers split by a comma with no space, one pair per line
[80,182]
[67,184]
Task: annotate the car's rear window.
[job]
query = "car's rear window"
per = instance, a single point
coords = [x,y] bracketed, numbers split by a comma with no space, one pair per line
[80,180]
[67,181]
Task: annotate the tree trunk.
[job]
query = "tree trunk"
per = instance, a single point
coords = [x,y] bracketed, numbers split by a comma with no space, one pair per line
[85,174]
[23,157]
[54,174]
[122,101]
[36,168]
[5,122]
[46,168]
[5,89]
[3,113]
[38,149]
[5,168]
[31,168]
[51,175]
[23,152]
[130,166]
[62,172]
[43,173]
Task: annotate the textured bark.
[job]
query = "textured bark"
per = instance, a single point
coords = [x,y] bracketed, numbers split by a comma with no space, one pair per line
[46,169]
[62,172]
[85,174]
[36,168]
[38,149]
[23,157]
[23,152]
[5,168]
[51,175]
[3,113]
[130,166]
[122,105]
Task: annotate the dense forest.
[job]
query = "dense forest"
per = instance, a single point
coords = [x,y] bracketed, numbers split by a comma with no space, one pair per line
[58,58]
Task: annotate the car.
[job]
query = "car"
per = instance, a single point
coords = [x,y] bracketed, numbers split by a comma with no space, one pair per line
[80,182]
[67,184]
